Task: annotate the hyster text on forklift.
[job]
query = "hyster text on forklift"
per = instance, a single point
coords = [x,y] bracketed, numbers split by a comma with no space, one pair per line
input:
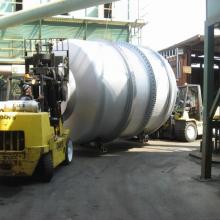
[32,137]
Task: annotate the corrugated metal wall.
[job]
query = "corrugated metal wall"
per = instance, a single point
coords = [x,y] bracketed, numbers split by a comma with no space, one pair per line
[83,31]
[57,30]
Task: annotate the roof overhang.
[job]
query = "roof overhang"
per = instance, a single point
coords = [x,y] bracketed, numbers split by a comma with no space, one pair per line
[64,19]
[195,43]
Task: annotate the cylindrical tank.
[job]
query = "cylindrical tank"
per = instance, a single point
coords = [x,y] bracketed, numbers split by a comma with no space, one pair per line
[116,90]
[19,106]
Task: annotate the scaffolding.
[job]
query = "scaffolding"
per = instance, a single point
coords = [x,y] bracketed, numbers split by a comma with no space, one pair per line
[135,30]
[9,6]
[66,26]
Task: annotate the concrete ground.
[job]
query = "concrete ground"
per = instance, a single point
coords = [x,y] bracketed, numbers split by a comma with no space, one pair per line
[157,181]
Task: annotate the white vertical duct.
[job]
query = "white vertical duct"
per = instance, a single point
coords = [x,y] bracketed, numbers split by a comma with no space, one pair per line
[46,10]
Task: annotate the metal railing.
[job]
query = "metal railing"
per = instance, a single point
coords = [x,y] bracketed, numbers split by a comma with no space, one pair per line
[11,48]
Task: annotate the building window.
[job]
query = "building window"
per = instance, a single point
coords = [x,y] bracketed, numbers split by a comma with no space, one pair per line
[108,10]
[19,5]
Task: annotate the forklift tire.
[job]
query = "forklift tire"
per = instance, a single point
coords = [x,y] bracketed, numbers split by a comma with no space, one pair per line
[46,167]
[188,133]
[68,152]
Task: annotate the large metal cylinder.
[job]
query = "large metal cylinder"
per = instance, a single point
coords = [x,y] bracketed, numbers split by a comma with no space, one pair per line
[116,90]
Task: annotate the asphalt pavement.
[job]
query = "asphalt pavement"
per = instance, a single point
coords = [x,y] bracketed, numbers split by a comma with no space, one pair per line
[131,182]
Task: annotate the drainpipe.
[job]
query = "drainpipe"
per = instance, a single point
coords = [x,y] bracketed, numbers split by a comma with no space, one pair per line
[46,10]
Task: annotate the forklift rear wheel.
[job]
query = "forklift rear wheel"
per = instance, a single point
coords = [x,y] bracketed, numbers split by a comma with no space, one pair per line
[190,132]
[69,152]
[186,132]
[46,167]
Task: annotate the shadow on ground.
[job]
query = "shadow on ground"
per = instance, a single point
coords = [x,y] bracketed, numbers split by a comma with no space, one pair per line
[121,146]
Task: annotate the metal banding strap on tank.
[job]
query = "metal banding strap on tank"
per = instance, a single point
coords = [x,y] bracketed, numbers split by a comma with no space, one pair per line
[153,87]
[171,95]
[131,88]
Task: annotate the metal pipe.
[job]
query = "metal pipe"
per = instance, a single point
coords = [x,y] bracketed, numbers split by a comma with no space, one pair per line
[177,64]
[47,10]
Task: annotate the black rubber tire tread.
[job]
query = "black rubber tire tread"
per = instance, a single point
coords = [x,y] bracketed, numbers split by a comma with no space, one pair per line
[181,132]
[46,167]
[67,161]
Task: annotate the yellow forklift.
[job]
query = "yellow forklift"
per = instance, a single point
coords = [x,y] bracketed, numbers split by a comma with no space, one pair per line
[188,124]
[32,137]
[185,124]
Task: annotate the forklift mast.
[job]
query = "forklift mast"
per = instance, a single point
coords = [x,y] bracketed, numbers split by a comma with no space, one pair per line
[49,74]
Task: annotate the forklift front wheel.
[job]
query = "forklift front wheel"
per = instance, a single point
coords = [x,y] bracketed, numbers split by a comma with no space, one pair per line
[69,152]
[46,167]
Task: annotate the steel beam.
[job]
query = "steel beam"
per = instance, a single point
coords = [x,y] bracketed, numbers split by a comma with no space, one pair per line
[208,82]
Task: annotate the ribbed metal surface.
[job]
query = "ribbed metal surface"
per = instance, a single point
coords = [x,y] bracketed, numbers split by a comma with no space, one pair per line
[166,90]
[144,87]
[116,90]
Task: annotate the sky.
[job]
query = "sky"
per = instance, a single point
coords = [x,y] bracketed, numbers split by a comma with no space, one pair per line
[172,21]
